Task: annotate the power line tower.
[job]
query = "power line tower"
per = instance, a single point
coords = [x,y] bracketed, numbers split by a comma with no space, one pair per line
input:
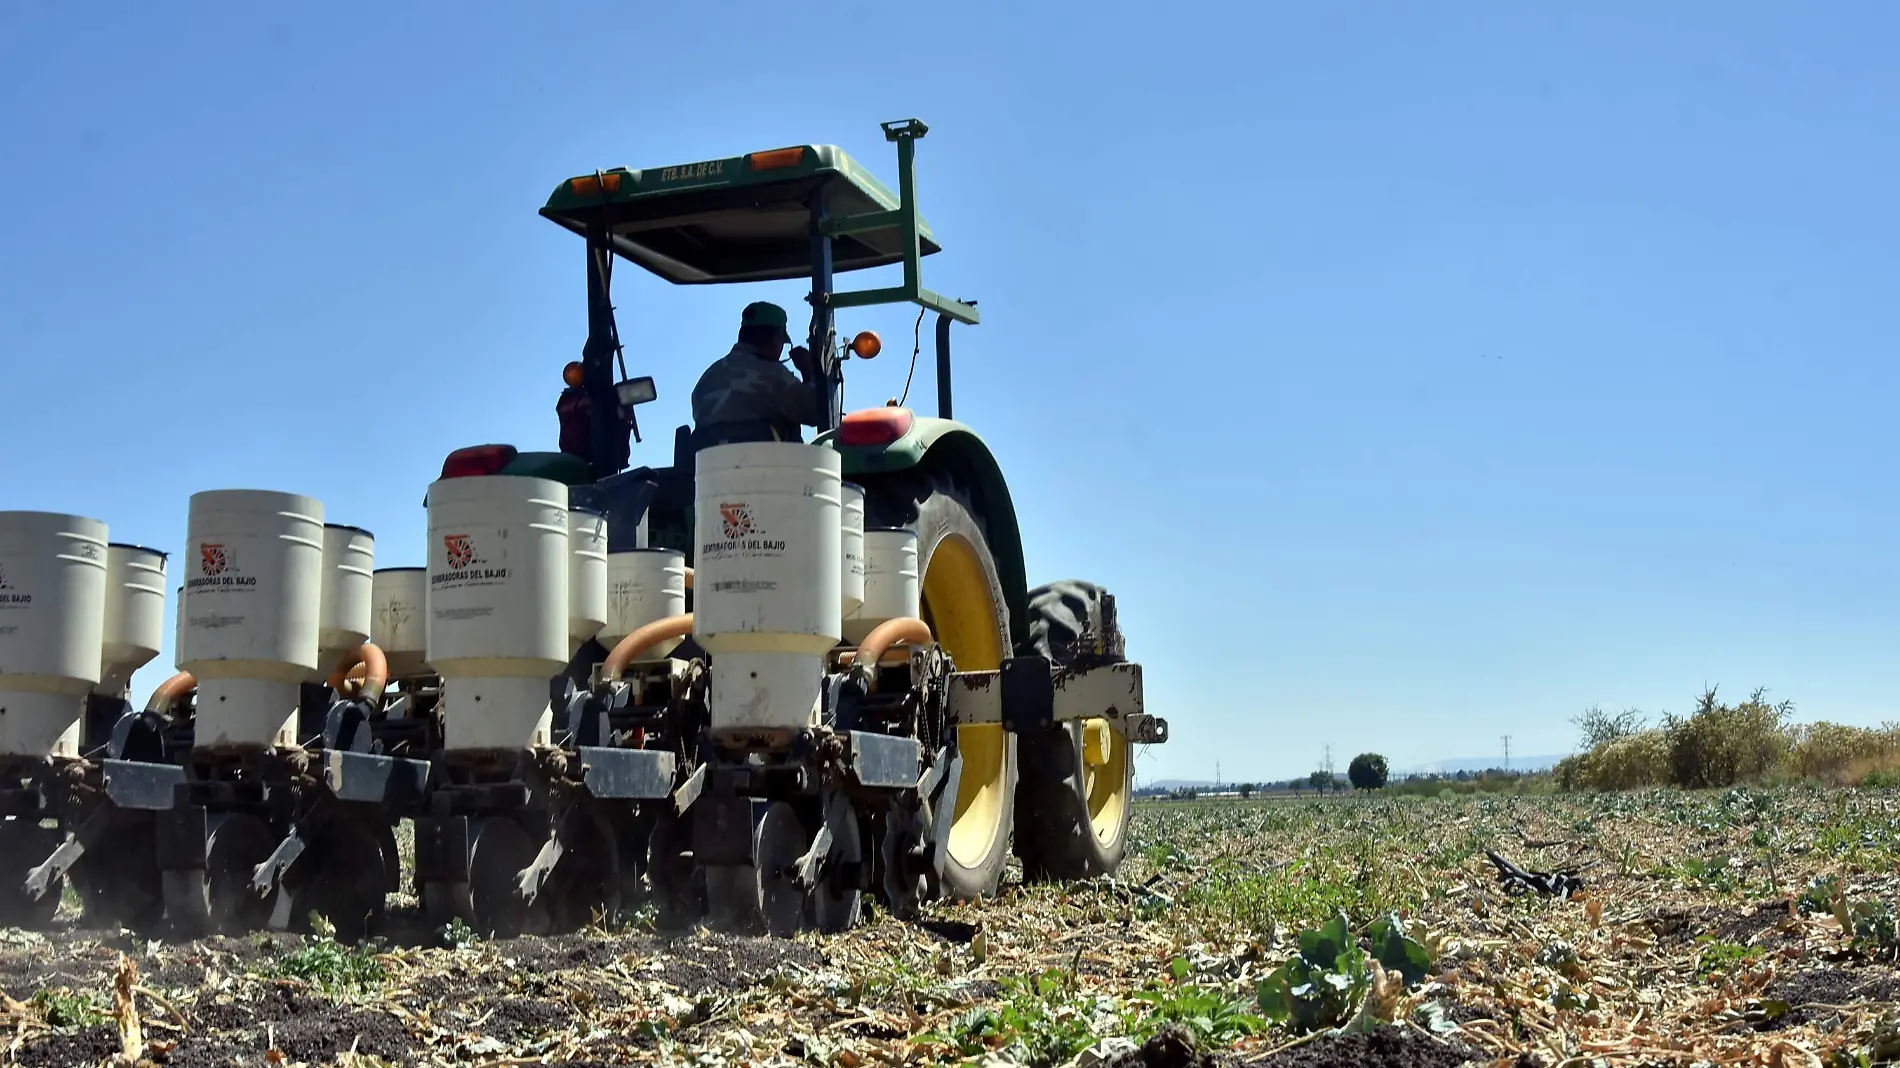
[1507,752]
[1326,765]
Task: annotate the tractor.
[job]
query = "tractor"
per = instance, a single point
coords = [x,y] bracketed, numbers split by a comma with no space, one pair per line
[1046,708]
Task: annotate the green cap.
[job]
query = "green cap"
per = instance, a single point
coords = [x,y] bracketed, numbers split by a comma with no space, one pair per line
[763,313]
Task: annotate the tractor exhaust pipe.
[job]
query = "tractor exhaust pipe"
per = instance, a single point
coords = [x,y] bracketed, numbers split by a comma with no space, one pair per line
[943,366]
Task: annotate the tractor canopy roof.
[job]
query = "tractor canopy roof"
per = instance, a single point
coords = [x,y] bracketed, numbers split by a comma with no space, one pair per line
[740,219]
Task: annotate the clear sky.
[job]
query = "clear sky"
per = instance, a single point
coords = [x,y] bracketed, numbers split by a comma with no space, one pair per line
[1414,373]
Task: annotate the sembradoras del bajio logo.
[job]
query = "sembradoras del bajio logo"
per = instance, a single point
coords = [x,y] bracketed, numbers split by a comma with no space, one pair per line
[464,565]
[218,570]
[461,549]
[737,519]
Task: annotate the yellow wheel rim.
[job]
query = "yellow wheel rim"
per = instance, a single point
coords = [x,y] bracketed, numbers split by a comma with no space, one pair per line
[962,615]
[1105,777]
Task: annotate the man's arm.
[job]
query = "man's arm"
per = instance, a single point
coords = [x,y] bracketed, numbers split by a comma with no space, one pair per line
[799,397]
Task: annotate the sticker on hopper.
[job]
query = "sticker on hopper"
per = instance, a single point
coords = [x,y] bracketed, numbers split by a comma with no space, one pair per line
[394,614]
[218,570]
[620,596]
[466,565]
[743,538]
[11,597]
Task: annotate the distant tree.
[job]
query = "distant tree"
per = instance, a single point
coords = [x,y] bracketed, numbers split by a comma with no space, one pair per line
[1318,780]
[1598,726]
[1246,790]
[1463,775]
[1367,771]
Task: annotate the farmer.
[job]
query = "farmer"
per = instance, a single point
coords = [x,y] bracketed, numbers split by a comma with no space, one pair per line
[747,395]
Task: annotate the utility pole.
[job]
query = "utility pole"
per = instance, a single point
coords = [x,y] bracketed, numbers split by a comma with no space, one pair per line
[1217,775]
[1507,752]
[1326,765]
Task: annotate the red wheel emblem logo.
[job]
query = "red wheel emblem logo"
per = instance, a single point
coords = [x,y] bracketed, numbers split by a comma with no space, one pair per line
[461,550]
[738,520]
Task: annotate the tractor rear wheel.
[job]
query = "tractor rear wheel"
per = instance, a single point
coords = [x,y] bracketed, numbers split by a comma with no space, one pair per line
[968,613]
[1073,797]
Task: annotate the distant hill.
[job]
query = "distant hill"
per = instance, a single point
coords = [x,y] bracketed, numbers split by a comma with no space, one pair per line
[1458,764]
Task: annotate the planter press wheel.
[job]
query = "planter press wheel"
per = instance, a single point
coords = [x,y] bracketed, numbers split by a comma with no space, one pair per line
[732,898]
[218,897]
[836,906]
[499,850]
[343,877]
[670,876]
[782,839]
[119,883]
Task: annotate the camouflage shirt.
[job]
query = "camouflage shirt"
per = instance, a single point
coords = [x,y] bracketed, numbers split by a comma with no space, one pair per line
[743,385]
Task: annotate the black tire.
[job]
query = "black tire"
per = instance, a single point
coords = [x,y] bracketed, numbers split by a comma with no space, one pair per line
[1055,835]
[939,510]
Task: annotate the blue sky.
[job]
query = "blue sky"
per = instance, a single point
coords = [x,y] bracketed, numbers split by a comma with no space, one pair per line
[1415,373]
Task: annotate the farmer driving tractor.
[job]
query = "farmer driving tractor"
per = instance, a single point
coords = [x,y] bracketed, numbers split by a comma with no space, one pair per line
[748,395]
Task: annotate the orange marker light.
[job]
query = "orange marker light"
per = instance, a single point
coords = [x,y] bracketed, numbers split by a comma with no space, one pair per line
[571,374]
[591,185]
[866,345]
[775,159]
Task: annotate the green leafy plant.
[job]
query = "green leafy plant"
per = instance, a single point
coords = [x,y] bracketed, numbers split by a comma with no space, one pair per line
[1398,952]
[1819,896]
[1871,926]
[1569,997]
[1719,957]
[1042,1021]
[1213,1018]
[1716,874]
[1327,984]
[1561,957]
[1321,987]
[333,968]
[64,1007]
[457,934]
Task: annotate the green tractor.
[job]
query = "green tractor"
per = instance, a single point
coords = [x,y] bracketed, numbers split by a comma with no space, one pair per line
[1045,709]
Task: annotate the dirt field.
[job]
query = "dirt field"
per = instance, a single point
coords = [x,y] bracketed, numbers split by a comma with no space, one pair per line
[1702,937]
